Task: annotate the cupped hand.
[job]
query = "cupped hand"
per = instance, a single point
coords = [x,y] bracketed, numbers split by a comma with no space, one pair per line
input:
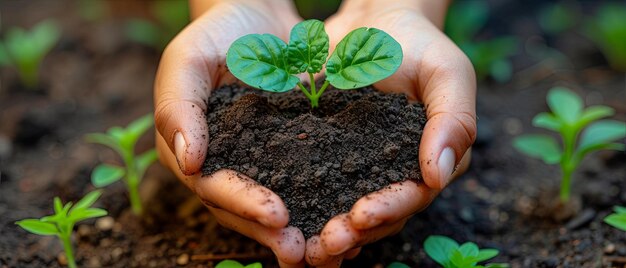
[192,65]
[434,71]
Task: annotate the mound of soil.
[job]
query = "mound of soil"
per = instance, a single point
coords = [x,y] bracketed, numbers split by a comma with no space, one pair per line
[319,162]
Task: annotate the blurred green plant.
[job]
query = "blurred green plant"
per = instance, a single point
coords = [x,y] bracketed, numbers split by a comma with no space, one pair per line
[397,265]
[123,140]
[61,224]
[25,50]
[449,254]
[170,16]
[569,119]
[92,10]
[618,218]
[607,28]
[490,57]
[555,18]
[236,264]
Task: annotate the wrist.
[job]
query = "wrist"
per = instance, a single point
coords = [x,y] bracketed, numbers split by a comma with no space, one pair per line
[434,10]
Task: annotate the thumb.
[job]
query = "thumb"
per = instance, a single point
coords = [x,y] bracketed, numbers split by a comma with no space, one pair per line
[181,89]
[449,94]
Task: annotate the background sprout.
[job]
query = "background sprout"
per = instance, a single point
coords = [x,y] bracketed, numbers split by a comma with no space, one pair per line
[447,253]
[25,50]
[170,16]
[490,57]
[61,224]
[569,118]
[608,30]
[123,141]
[618,218]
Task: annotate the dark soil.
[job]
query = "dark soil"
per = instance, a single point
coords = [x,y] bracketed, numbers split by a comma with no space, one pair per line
[319,162]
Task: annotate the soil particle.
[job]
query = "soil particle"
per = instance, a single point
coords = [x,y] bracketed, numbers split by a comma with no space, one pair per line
[319,162]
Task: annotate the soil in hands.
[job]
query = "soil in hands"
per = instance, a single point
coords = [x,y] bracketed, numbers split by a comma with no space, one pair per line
[320,162]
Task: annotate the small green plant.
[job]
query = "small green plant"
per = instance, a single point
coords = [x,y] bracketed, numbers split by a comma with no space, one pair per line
[569,119]
[447,252]
[123,141]
[61,224]
[170,16]
[236,264]
[608,30]
[618,218]
[464,21]
[25,50]
[361,58]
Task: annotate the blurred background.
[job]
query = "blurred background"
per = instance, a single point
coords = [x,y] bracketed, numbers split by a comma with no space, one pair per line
[71,67]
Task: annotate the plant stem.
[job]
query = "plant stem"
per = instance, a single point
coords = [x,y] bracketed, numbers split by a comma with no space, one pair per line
[67,247]
[132,182]
[304,90]
[29,74]
[313,89]
[567,166]
[566,183]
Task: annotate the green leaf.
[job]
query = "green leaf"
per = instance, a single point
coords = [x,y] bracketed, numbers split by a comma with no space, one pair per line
[616,220]
[601,133]
[229,264]
[501,70]
[37,227]
[565,104]
[86,213]
[465,19]
[556,18]
[363,57]
[145,160]
[547,121]
[144,32]
[4,56]
[619,209]
[594,113]
[105,174]
[539,146]
[87,200]
[58,205]
[46,34]
[440,248]
[459,260]
[104,139]
[397,265]
[254,265]
[485,254]
[497,265]
[260,61]
[308,47]
[469,249]
[135,129]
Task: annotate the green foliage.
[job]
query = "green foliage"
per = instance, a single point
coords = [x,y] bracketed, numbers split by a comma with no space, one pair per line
[61,223]
[608,30]
[170,16]
[449,254]
[555,18]
[397,265]
[25,50]
[618,218]
[363,57]
[123,141]
[464,21]
[236,264]
[573,122]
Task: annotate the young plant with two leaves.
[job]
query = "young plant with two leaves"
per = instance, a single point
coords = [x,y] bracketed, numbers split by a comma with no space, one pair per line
[123,140]
[581,131]
[449,254]
[25,50]
[236,264]
[361,58]
[61,224]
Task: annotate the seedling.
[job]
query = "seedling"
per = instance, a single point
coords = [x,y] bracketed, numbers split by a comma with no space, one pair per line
[123,141]
[618,218]
[568,118]
[170,17]
[464,21]
[236,264]
[361,58]
[608,30]
[447,252]
[61,224]
[25,50]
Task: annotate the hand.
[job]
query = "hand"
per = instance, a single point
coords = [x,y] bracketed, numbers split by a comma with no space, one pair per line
[192,65]
[433,71]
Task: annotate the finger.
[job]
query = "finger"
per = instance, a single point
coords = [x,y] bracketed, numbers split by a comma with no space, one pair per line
[287,243]
[391,204]
[232,191]
[351,254]
[448,89]
[317,256]
[338,236]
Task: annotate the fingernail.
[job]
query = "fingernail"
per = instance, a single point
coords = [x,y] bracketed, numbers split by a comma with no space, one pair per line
[446,166]
[180,147]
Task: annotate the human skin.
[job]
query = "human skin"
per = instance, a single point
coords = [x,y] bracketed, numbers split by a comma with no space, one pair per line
[434,71]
